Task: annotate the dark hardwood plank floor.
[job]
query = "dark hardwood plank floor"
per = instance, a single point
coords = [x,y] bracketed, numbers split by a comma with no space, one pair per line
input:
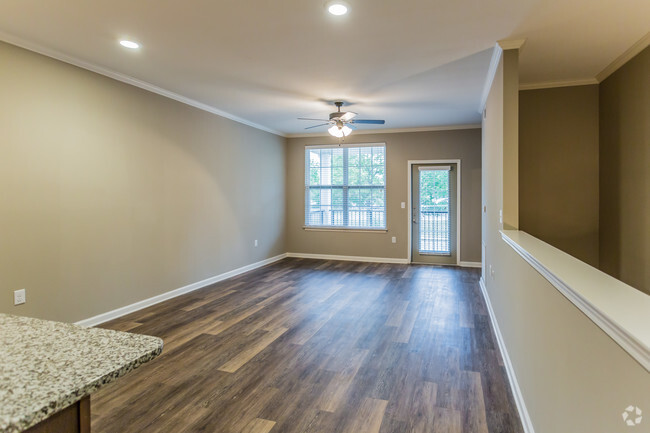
[317,346]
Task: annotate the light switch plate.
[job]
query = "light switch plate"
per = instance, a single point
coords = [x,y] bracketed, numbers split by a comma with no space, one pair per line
[19,297]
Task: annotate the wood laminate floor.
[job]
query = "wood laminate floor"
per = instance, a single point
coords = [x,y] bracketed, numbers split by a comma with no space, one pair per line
[317,346]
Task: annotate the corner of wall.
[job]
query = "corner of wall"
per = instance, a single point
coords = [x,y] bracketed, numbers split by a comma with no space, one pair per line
[511,139]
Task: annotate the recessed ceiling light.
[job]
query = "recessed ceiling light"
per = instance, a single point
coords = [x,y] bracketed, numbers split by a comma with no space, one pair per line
[129,44]
[337,8]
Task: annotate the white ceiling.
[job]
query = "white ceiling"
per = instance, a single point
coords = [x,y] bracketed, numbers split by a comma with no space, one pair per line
[415,63]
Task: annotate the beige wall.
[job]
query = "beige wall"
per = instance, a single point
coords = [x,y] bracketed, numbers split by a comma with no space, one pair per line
[625,173]
[558,168]
[573,377]
[110,194]
[492,149]
[400,148]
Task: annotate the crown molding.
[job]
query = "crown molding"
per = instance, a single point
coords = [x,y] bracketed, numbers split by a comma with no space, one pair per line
[552,84]
[492,70]
[393,130]
[511,44]
[57,55]
[635,49]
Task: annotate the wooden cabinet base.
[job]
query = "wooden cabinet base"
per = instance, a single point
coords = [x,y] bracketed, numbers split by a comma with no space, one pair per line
[73,419]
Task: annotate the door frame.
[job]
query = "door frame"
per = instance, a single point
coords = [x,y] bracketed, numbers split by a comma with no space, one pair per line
[409,204]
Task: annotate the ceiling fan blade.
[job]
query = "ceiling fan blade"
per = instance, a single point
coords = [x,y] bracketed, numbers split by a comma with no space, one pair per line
[369,121]
[350,125]
[317,120]
[316,126]
[348,116]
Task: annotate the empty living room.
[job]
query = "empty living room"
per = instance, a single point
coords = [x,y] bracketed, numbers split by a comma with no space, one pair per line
[325,216]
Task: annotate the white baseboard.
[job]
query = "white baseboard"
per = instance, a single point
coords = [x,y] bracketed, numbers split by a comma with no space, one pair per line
[122,311]
[368,259]
[114,314]
[514,385]
[348,258]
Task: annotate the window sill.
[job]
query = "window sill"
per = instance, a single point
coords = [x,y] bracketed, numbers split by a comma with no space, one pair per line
[343,229]
[618,309]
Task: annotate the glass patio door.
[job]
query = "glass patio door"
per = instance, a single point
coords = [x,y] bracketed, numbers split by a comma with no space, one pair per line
[434,211]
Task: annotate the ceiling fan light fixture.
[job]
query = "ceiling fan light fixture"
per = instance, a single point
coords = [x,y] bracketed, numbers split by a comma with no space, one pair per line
[335,131]
[338,132]
[341,124]
[337,7]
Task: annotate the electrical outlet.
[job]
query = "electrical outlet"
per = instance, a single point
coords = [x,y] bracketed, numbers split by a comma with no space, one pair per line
[394,240]
[403,205]
[256,244]
[19,297]
[500,216]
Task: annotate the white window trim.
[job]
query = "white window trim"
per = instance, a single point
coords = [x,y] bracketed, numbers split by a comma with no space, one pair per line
[349,229]
[435,168]
[325,146]
[343,229]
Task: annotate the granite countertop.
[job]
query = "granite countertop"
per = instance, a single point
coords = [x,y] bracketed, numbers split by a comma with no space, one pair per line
[46,366]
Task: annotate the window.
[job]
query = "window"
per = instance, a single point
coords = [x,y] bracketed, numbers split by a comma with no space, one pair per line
[434,225]
[345,187]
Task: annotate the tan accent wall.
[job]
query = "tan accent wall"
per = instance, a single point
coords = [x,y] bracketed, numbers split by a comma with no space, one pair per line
[400,148]
[110,194]
[573,377]
[558,168]
[625,173]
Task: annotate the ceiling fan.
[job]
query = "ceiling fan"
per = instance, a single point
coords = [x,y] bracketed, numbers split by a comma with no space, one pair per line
[342,123]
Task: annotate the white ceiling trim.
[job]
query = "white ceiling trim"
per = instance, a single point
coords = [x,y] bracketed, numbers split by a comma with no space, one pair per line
[492,70]
[19,42]
[393,130]
[552,84]
[635,49]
